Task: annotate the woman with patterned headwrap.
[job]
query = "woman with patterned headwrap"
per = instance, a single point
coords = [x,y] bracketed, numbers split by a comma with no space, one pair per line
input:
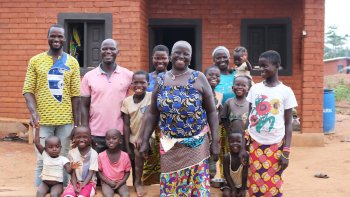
[221,58]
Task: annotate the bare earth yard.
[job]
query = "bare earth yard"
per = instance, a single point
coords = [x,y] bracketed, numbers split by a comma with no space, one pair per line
[18,161]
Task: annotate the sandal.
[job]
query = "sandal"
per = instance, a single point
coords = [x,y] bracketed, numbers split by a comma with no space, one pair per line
[345,140]
[321,175]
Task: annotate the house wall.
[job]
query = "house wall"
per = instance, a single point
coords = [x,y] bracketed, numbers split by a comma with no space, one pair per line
[24,25]
[331,67]
[221,25]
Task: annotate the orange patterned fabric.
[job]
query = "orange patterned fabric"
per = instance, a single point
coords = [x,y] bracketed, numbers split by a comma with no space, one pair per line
[264,175]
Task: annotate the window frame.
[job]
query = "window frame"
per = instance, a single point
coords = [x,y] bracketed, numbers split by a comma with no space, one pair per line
[70,17]
[246,23]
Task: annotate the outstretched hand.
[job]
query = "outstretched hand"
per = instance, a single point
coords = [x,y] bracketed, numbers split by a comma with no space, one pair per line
[75,165]
[245,57]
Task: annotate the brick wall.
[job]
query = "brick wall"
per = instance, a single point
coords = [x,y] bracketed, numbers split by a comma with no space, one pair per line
[224,27]
[312,66]
[24,25]
[23,28]
[331,67]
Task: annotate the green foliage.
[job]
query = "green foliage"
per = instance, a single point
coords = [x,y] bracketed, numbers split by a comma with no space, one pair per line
[337,42]
[341,71]
[342,81]
[337,110]
[341,92]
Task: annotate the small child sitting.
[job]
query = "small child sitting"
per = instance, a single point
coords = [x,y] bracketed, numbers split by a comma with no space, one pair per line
[83,179]
[243,67]
[133,110]
[235,172]
[114,166]
[53,164]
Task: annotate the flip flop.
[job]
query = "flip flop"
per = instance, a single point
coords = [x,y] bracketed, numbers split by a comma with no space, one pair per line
[321,175]
[345,140]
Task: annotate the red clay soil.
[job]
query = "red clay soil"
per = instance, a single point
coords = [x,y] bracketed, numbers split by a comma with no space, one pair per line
[18,161]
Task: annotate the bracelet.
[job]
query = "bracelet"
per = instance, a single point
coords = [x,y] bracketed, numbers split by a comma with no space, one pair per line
[284,156]
[286,149]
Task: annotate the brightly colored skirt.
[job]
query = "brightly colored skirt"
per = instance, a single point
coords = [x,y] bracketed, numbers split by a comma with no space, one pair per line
[224,147]
[151,168]
[264,175]
[185,171]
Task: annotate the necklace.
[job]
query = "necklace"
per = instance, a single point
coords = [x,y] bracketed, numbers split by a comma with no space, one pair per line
[174,76]
[239,104]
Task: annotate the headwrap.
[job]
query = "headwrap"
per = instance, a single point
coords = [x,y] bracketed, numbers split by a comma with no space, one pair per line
[221,48]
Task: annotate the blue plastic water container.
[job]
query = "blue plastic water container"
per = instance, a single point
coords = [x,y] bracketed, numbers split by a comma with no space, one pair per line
[328,111]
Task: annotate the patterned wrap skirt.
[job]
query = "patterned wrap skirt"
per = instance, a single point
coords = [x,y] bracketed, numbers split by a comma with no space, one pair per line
[185,171]
[224,148]
[151,168]
[264,175]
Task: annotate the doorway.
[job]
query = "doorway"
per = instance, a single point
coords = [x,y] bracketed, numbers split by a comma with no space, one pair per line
[169,31]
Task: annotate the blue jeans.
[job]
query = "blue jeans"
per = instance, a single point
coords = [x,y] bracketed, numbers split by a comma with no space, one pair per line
[61,131]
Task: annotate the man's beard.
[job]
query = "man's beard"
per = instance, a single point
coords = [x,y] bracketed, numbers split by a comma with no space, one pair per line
[55,49]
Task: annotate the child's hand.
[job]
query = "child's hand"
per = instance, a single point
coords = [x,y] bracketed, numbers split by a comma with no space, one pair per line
[77,191]
[231,70]
[75,165]
[242,193]
[93,141]
[113,184]
[243,155]
[234,193]
[245,57]
[118,184]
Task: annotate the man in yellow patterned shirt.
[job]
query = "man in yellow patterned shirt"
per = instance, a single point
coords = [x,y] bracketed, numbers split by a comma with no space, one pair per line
[54,78]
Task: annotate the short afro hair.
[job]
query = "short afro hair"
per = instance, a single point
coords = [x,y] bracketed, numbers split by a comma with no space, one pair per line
[273,56]
[237,131]
[210,67]
[57,26]
[161,48]
[240,49]
[141,72]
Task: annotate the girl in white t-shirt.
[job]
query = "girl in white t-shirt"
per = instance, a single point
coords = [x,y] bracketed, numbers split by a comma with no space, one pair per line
[270,129]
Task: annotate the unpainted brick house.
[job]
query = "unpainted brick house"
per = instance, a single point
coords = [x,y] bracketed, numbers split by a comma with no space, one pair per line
[139,25]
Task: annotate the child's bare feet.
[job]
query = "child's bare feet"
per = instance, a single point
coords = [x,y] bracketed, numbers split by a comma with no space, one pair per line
[139,190]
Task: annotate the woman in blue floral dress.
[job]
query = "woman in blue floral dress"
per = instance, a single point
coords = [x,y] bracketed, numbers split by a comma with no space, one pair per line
[183,102]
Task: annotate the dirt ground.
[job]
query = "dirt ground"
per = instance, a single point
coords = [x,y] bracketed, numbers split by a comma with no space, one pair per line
[18,161]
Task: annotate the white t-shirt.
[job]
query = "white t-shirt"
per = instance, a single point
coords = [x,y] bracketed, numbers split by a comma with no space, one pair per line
[53,167]
[266,120]
[88,162]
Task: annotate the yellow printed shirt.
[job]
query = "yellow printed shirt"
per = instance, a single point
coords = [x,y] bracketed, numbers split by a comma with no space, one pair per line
[54,84]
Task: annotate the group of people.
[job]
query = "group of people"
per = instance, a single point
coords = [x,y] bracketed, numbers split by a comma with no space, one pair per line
[171,131]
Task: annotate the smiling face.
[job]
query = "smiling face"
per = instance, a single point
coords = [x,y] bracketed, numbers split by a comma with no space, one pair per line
[221,59]
[53,146]
[181,55]
[82,137]
[113,139]
[213,77]
[56,38]
[267,68]
[139,84]
[160,60]
[109,51]
[235,142]
[237,58]
[240,86]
